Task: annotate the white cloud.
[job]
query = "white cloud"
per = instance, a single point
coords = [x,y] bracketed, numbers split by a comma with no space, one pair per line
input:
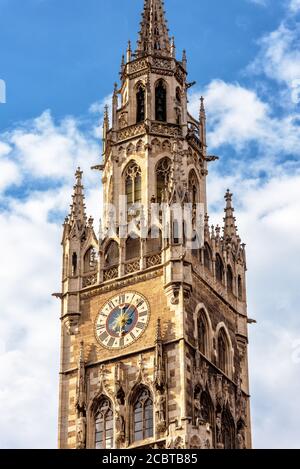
[294,6]
[46,150]
[31,260]
[279,56]
[238,116]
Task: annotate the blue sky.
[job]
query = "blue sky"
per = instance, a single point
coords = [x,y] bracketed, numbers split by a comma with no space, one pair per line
[59,60]
[65,55]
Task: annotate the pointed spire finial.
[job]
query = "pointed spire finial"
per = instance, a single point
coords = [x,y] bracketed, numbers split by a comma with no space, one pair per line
[78,175]
[106,115]
[184,59]
[129,52]
[122,68]
[202,108]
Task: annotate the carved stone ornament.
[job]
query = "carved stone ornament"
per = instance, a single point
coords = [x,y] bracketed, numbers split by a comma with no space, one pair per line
[71,323]
[240,439]
[178,443]
[195,442]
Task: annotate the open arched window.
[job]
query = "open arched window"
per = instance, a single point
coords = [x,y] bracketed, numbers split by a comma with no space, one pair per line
[133,183]
[140,104]
[104,425]
[143,415]
[161,101]
[207,256]
[111,255]
[222,351]
[229,279]
[90,260]
[133,248]
[240,288]
[219,269]
[163,174]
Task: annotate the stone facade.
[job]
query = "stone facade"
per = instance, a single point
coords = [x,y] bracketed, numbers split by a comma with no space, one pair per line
[191,360]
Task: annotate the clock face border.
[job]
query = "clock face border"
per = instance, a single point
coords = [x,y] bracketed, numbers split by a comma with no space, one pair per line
[134,292]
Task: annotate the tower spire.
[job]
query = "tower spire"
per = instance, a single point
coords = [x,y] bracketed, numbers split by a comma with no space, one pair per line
[202,125]
[154,34]
[230,229]
[78,213]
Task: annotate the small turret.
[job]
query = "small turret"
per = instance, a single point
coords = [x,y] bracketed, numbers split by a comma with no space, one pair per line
[229,229]
[77,214]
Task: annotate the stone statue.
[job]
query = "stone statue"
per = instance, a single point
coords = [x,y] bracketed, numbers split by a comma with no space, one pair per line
[197,408]
[120,426]
[219,429]
[160,411]
[241,439]
[80,432]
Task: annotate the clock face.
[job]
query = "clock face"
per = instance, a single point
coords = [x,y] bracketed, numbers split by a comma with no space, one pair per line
[122,320]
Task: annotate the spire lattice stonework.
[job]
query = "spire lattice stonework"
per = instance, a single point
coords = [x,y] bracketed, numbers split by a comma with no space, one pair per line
[153,35]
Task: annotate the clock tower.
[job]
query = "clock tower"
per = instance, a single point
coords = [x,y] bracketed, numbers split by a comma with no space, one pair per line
[154,315]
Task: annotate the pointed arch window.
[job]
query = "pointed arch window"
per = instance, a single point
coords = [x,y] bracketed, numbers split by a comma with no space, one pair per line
[240,288]
[202,329]
[133,248]
[229,279]
[133,184]
[163,175]
[143,415]
[111,255]
[161,101]
[90,260]
[140,104]
[219,269]
[222,351]
[104,429]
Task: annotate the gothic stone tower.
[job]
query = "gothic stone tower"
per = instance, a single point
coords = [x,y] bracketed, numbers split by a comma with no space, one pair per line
[154,335]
